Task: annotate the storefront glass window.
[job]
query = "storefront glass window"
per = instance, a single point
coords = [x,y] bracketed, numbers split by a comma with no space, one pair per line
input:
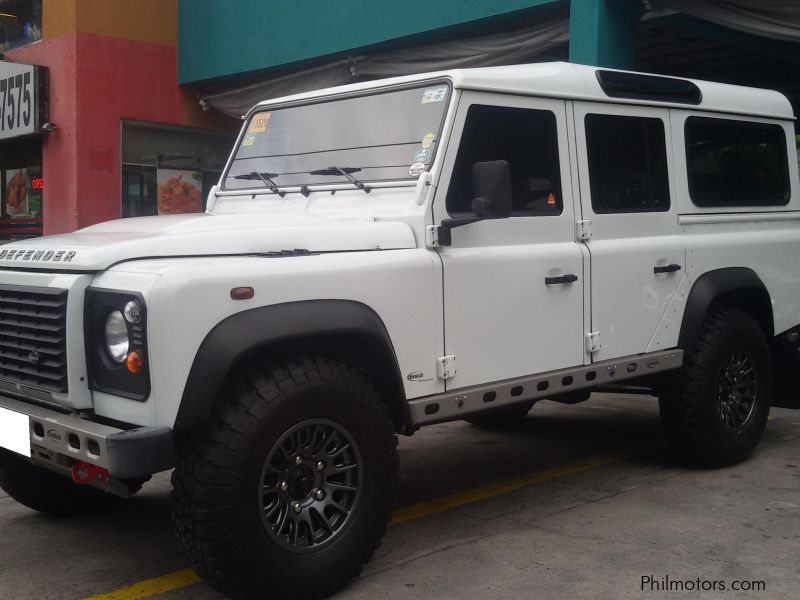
[21,188]
[20,23]
[167,170]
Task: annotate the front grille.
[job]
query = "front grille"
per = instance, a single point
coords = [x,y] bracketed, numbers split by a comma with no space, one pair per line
[33,341]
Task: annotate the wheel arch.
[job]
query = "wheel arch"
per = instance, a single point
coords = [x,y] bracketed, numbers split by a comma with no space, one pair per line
[341,329]
[734,287]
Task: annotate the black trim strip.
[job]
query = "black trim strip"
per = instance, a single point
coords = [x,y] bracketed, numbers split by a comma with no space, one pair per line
[638,86]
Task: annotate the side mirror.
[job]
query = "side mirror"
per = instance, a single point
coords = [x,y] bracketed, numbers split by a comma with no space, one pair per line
[491,184]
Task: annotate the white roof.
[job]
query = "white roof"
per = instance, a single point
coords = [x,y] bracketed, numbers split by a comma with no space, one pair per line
[577,82]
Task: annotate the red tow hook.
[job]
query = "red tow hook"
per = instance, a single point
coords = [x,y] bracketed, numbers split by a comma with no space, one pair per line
[83,473]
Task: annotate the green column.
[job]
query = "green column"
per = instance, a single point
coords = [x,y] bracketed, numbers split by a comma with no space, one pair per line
[603,32]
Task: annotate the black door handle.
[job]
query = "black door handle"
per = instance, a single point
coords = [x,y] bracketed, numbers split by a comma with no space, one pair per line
[666,268]
[569,278]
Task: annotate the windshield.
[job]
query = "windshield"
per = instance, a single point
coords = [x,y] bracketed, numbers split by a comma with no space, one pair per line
[386,136]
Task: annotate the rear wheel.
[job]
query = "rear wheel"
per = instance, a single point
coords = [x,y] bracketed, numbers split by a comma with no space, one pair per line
[287,493]
[499,418]
[716,409]
[50,493]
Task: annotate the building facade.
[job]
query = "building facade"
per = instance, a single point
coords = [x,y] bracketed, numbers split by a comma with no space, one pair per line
[108,109]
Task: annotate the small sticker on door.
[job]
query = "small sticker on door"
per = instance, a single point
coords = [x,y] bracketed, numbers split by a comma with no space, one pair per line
[249,139]
[427,140]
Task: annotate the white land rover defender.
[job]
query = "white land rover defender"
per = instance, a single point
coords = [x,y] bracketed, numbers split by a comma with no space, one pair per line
[386,255]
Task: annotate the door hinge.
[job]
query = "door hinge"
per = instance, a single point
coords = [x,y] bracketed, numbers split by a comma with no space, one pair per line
[432,236]
[583,230]
[447,366]
[592,341]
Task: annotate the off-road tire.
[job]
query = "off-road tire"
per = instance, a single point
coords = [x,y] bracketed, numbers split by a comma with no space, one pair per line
[690,401]
[50,493]
[501,418]
[215,508]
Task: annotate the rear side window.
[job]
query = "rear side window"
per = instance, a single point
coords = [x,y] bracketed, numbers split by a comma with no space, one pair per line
[527,140]
[627,164]
[736,163]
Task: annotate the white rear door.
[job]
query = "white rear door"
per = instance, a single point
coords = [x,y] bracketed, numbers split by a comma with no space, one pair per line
[636,255]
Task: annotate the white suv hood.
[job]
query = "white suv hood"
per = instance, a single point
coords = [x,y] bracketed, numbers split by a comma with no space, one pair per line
[100,246]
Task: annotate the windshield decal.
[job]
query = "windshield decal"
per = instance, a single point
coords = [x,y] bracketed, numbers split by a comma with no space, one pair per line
[260,123]
[422,155]
[416,169]
[437,94]
[428,139]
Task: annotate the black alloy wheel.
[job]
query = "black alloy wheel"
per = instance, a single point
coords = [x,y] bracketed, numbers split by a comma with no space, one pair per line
[738,386]
[715,408]
[310,485]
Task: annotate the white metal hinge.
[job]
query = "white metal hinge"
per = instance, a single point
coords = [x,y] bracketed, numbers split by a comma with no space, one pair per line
[447,366]
[583,230]
[432,236]
[593,341]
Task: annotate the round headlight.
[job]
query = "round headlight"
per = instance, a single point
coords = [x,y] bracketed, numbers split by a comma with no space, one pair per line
[117,341]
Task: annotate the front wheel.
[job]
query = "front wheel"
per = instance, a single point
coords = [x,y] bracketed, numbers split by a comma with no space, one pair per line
[287,493]
[716,409]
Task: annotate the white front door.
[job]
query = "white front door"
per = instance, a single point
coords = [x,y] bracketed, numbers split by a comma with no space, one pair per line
[513,288]
[637,257]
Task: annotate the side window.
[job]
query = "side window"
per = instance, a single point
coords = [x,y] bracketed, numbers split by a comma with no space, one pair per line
[736,163]
[527,140]
[627,164]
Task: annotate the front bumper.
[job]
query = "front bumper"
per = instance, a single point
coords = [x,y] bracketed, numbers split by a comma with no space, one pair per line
[59,441]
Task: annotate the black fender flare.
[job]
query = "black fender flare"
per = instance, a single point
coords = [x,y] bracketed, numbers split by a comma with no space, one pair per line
[234,337]
[727,283]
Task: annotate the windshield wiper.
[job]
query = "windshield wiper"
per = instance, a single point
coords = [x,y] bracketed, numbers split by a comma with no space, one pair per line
[266,178]
[346,173]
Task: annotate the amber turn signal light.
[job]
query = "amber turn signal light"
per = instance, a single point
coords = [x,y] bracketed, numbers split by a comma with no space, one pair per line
[135,362]
[242,293]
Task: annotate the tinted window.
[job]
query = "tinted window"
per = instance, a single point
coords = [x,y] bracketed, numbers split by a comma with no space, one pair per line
[736,163]
[627,164]
[383,136]
[527,140]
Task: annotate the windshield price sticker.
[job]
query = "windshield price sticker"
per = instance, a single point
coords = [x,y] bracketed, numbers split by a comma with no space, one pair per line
[259,123]
[437,94]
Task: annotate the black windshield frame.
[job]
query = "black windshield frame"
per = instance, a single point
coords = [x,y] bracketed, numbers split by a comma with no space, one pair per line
[421,85]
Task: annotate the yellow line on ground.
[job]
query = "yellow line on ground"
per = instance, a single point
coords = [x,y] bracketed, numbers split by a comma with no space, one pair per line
[424,509]
[152,587]
[187,577]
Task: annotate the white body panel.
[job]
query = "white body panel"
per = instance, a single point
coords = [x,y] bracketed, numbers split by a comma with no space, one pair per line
[191,296]
[100,246]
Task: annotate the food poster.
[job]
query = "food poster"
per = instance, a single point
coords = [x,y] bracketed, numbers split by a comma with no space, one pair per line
[17,193]
[180,185]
